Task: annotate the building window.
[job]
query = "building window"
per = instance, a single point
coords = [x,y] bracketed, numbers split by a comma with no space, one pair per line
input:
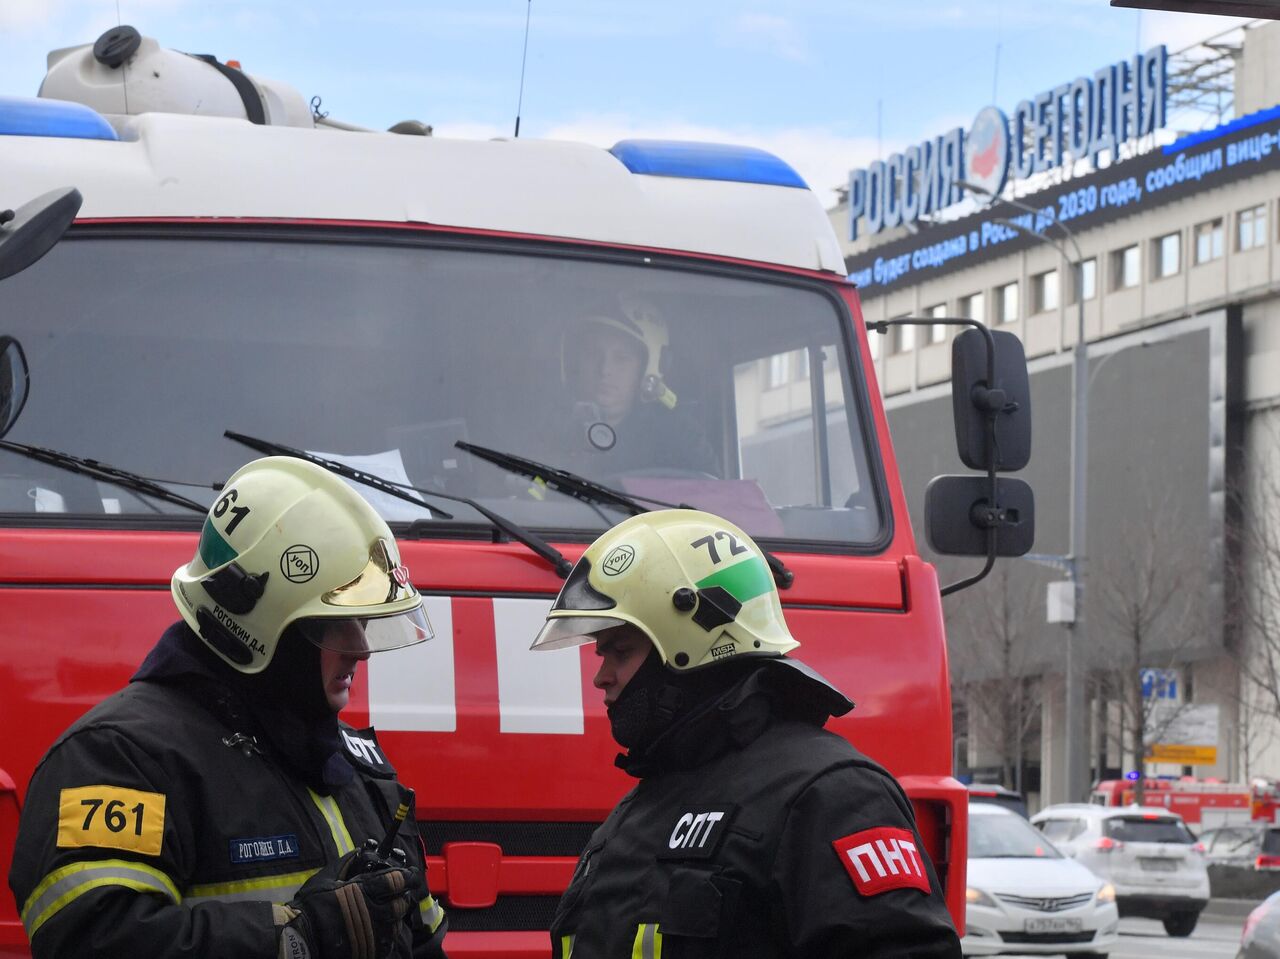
[1166,255]
[1209,241]
[1124,268]
[904,338]
[1044,292]
[1251,227]
[1007,302]
[802,364]
[973,307]
[1086,275]
[937,332]
[777,375]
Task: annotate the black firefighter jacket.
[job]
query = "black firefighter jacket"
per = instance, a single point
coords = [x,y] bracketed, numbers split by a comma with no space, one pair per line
[151,829]
[755,833]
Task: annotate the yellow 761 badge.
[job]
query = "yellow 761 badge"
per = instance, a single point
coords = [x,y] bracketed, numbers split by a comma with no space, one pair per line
[111,817]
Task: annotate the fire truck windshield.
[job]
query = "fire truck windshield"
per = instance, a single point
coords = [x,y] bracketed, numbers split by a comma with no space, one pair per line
[728,390]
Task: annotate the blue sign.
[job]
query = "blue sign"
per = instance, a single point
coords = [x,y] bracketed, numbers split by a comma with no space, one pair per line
[1244,147]
[1085,118]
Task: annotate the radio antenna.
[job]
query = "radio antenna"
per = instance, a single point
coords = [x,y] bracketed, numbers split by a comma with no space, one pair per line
[124,76]
[523,59]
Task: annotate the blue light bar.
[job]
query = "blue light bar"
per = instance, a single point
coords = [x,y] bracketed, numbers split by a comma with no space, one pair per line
[32,117]
[705,161]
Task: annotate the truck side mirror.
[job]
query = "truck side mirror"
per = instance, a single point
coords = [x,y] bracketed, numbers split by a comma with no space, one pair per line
[972,398]
[31,231]
[958,515]
[13,382]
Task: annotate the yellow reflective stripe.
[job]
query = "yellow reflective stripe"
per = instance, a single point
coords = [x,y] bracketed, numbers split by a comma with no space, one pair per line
[63,886]
[328,807]
[274,888]
[431,913]
[648,944]
[566,947]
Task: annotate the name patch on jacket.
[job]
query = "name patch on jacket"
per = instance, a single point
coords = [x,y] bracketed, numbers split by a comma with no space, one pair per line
[364,753]
[878,860]
[697,832]
[263,848]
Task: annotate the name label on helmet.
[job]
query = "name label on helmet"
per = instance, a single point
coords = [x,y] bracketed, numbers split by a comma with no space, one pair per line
[697,832]
[238,631]
[263,848]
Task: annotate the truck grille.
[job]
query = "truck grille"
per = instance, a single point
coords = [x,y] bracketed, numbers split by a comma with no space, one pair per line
[515,838]
[508,914]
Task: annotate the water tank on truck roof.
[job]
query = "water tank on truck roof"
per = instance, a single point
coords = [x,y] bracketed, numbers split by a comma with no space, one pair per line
[126,74]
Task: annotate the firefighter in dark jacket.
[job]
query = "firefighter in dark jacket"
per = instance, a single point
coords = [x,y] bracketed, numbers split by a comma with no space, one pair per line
[216,806]
[752,830]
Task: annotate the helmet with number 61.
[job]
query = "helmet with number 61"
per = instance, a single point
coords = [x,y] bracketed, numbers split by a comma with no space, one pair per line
[290,543]
[696,585]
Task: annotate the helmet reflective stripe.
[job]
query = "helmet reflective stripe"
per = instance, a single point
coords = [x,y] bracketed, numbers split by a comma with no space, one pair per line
[65,885]
[696,585]
[214,550]
[744,581]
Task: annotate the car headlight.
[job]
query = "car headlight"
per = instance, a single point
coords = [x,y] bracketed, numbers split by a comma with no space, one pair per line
[1107,893]
[976,897]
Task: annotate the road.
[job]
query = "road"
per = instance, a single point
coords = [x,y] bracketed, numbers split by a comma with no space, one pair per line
[1214,938]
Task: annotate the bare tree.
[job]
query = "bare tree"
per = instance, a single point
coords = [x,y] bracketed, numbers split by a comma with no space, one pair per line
[995,673]
[1149,592]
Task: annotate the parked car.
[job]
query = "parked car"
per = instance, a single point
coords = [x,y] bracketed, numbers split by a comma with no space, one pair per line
[1148,853]
[1252,845]
[1025,897]
[999,796]
[1261,936]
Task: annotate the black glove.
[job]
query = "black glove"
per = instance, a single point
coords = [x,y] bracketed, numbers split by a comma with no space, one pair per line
[335,917]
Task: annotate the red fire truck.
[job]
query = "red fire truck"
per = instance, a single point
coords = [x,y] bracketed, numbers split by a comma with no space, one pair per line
[1201,803]
[246,274]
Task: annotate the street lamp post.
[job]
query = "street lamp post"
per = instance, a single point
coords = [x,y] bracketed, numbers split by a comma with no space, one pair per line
[1077,768]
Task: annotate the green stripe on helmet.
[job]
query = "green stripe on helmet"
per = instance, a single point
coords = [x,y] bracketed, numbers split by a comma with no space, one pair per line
[214,550]
[744,581]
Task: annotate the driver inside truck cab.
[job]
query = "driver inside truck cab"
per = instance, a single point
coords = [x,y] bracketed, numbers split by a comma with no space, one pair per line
[626,418]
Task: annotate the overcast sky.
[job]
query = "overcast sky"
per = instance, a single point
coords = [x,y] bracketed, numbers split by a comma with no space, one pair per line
[826,84]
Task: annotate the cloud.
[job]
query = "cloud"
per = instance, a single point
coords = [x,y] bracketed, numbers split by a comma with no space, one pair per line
[1180,30]
[25,14]
[762,32]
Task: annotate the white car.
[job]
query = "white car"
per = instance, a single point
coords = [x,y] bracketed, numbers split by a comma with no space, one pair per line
[1025,897]
[1147,852]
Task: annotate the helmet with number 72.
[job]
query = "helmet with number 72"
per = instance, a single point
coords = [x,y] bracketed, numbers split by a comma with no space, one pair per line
[288,543]
[696,585]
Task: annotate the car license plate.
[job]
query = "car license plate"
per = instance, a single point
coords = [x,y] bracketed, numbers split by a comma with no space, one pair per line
[1159,865]
[1054,924]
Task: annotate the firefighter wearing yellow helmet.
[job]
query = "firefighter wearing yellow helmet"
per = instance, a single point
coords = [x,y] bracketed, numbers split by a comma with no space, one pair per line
[615,363]
[217,804]
[753,829]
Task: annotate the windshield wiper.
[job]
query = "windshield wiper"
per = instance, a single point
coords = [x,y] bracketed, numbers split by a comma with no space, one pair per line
[404,491]
[589,491]
[104,472]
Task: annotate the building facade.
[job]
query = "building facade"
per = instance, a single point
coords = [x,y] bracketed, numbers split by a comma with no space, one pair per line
[1170,258]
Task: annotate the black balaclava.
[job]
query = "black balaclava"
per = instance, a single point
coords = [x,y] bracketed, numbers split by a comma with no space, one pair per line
[656,697]
[284,705]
